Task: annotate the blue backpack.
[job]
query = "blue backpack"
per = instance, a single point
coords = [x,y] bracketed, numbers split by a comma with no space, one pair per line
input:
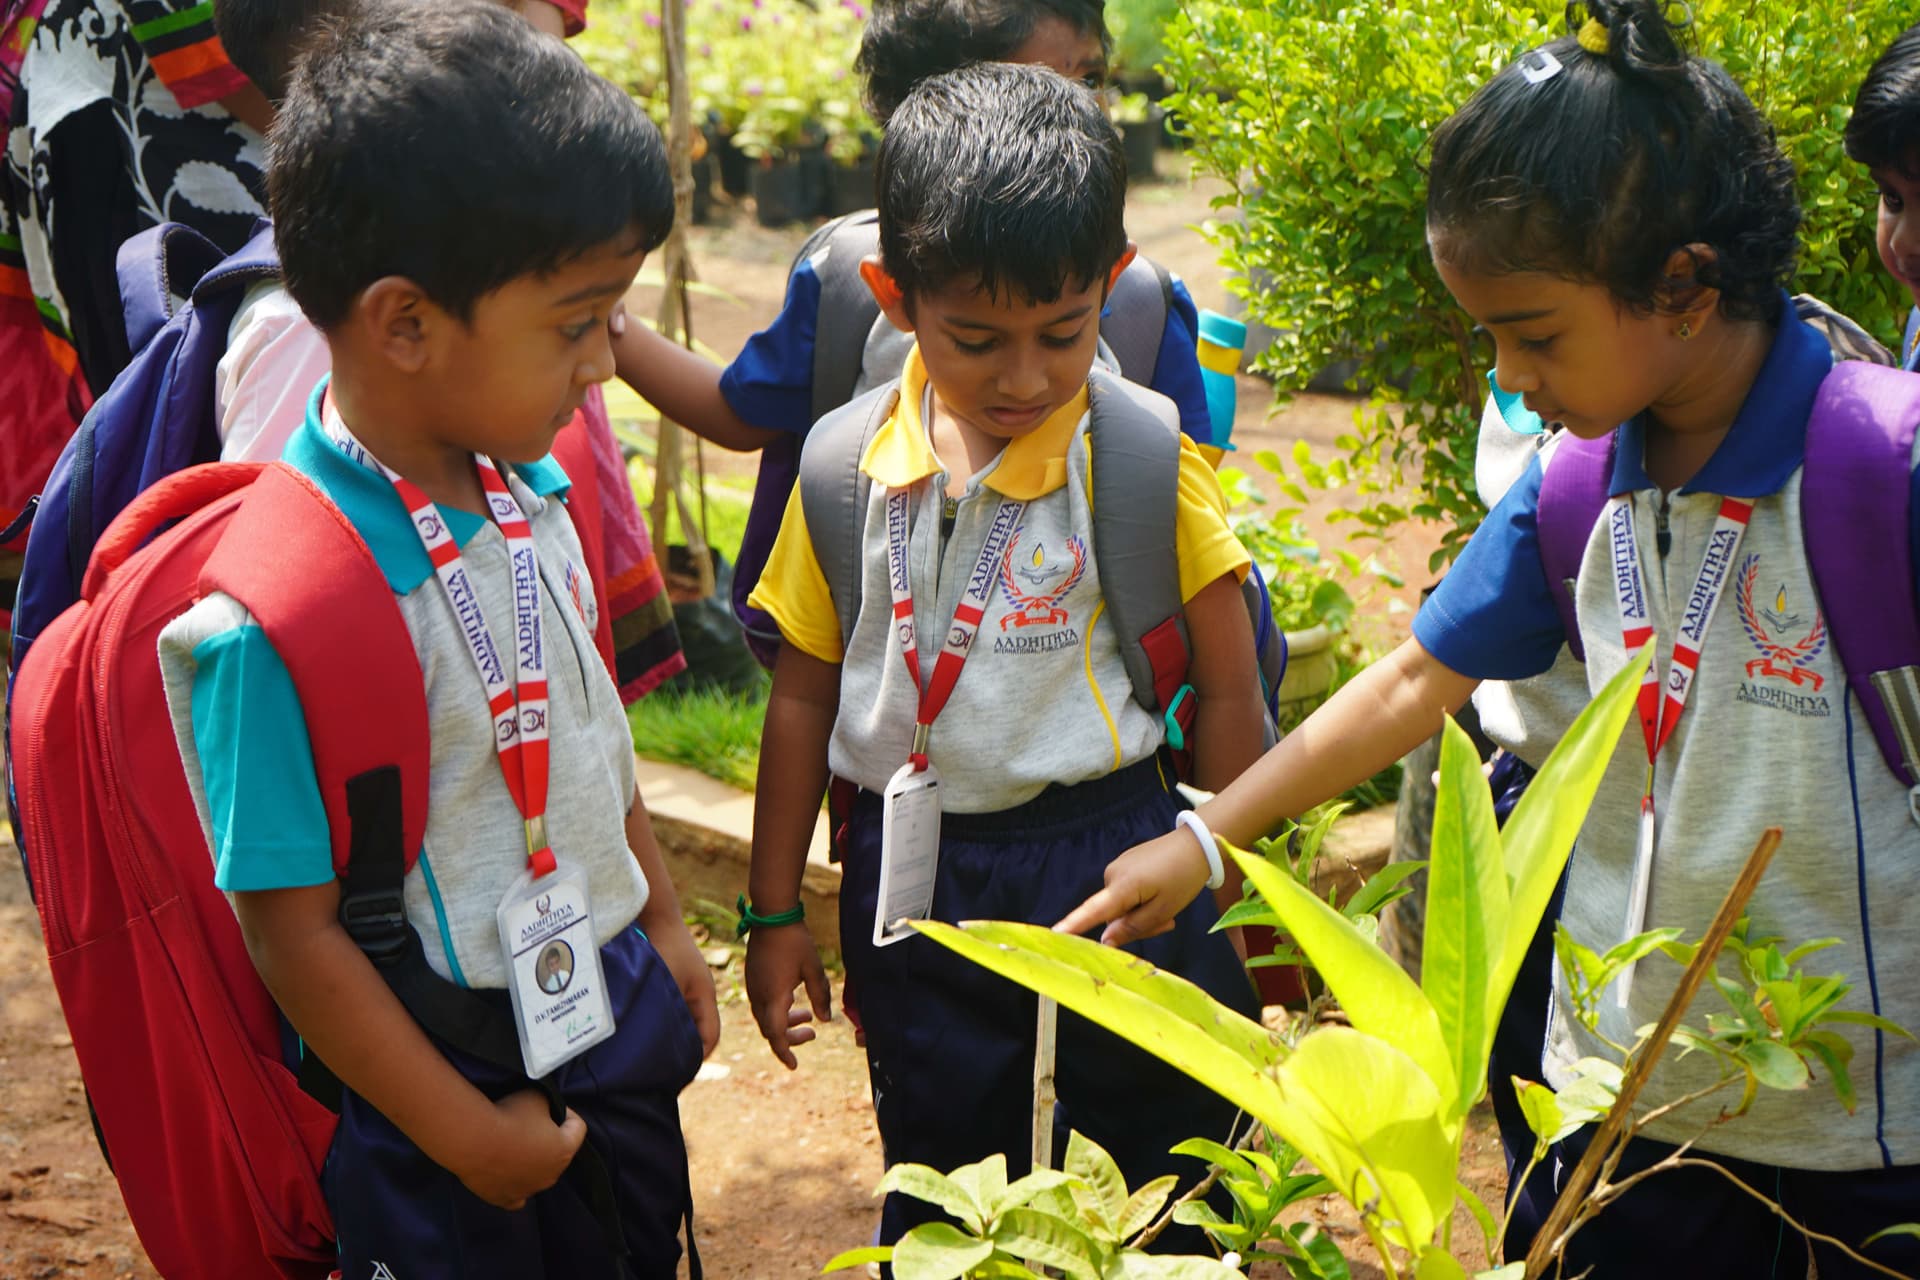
[180,294]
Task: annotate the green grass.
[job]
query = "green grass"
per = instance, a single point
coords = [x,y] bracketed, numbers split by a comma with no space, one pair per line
[716,733]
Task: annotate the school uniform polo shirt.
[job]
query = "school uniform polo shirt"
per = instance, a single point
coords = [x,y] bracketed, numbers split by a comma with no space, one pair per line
[243,738]
[770,383]
[1044,697]
[1771,737]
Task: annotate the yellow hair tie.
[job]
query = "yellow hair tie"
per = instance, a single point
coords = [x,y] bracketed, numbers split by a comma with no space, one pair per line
[1593,37]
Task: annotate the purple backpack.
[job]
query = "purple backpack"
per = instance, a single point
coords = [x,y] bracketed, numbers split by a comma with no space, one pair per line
[1855,512]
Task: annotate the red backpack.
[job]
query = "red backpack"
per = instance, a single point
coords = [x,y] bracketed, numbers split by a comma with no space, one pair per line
[216,1143]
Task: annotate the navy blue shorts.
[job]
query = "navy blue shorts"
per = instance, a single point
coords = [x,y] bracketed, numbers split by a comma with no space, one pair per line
[950,1045]
[1692,1222]
[395,1208]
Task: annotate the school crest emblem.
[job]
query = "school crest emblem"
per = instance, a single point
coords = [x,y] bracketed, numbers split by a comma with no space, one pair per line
[1034,584]
[1789,639]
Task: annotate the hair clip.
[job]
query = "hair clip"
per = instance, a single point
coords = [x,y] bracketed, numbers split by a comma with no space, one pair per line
[1593,37]
[1539,66]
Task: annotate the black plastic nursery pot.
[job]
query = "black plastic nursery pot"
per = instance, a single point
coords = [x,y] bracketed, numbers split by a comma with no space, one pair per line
[779,187]
[731,163]
[703,190]
[1141,141]
[851,186]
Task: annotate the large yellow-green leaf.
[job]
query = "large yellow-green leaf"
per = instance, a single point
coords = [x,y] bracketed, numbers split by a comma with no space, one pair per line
[1376,993]
[1161,1012]
[1466,915]
[1540,831]
[1369,1118]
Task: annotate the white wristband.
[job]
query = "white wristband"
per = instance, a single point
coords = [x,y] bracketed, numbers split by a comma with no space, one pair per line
[1216,870]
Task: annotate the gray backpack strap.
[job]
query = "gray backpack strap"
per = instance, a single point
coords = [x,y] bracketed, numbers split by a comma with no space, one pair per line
[1136,318]
[847,310]
[1135,451]
[834,491]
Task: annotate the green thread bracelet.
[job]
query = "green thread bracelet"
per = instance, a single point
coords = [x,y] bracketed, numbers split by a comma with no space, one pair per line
[751,919]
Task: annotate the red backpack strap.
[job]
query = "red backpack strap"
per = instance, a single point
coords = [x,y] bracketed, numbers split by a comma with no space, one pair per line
[1573,494]
[573,450]
[1855,494]
[306,576]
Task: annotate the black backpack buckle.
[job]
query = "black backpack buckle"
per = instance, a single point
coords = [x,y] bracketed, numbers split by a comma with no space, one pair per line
[377,922]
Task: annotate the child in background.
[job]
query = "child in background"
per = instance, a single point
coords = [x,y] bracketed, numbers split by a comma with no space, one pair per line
[1883,133]
[457,340]
[1637,289]
[275,357]
[1001,229]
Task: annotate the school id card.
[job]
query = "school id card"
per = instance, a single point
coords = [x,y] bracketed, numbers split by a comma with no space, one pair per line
[909,852]
[560,1004]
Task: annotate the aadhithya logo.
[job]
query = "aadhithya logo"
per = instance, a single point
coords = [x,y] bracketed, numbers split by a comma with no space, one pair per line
[1052,579]
[1788,642]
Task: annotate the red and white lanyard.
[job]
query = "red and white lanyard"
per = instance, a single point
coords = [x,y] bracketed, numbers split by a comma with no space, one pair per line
[966,615]
[519,705]
[1662,703]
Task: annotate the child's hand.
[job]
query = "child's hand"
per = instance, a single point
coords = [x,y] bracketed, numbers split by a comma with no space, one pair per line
[778,960]
[524,1151]
[682,957]
[1147,886]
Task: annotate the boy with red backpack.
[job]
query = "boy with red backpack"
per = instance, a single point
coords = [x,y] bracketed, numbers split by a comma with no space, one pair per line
[461,255]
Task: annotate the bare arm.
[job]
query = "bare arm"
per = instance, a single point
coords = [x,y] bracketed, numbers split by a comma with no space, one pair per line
[666,928]
[1224,673]
[684,386]
[1381,715]
[504,1152]
[793,777]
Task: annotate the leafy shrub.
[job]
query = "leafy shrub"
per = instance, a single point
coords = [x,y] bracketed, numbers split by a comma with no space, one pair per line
[775,74]
[1317,113]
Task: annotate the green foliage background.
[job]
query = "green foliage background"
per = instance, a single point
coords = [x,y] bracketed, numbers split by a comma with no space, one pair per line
[1318,112]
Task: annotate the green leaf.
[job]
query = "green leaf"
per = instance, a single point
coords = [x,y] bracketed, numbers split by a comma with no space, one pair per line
[984,1182]
[1897,1229]
[1162,1013]
[1437,1264]
[1638,947]
[1376,993]
[1874,1020]
[1466,914]
[1144,1205]
[1134,1265]
[1044,1240]
[1489,1230]
[1368,1117]
[1025,1190]
[936,1188]
[1512,1271]
[1099,1178]
[1776,1066]
[938,1251]
[859,1258]
[1541,1106]
[1216,1153]
[1382,887]
[1540,831]
[1835,1053]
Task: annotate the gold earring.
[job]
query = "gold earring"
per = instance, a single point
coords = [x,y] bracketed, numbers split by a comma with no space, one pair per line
[1685,332]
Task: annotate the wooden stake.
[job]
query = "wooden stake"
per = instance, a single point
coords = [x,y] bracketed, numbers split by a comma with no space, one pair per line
[1046,1045]
[1614,1128]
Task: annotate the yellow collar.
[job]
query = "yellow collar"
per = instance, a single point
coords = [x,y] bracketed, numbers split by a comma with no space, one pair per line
[1030,466]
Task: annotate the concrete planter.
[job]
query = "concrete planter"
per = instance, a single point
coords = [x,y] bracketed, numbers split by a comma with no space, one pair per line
[1311,665]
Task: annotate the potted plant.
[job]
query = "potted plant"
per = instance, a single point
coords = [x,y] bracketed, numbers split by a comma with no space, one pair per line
[1141,125]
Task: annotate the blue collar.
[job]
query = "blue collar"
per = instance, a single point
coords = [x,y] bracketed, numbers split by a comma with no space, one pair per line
[374,509]
[1769,434]
[1910,342]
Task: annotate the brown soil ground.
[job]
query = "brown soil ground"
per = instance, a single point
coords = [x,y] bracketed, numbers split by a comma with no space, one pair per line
[784,1164]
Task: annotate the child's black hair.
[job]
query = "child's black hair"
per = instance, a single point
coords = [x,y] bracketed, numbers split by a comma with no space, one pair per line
[908,40]
[452,144]
[1884,130]
[1599,170]
[1008,177]
[262,37]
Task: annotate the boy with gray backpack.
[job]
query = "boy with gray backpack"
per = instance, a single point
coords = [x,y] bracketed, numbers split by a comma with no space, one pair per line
[954,581]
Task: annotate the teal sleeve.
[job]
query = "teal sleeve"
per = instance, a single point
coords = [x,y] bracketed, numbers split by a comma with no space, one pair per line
[269,824]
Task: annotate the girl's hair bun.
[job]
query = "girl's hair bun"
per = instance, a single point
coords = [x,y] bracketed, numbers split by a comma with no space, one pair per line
[1644,37]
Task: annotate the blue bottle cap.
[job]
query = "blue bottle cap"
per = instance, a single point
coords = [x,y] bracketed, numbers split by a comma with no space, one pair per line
[1518,417]
[1223,330]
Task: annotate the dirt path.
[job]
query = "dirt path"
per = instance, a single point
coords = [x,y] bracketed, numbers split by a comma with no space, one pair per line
[784,1164]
